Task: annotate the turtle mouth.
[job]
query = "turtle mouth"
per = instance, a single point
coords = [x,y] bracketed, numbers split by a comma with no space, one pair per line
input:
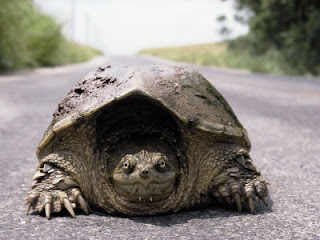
[138,192]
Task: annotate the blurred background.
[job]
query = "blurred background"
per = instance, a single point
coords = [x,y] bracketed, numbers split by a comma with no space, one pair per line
[281,37]
[126,27]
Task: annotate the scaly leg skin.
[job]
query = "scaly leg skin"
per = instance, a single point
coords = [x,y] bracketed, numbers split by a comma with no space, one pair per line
[54,189]
[240,183]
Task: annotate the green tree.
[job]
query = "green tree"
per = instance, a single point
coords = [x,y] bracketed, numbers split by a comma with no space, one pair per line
[29,38]
[290,26]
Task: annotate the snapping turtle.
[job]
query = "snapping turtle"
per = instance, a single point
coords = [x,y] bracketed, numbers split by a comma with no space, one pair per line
[141,141]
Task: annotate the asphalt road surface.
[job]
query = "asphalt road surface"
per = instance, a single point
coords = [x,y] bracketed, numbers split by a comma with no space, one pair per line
[281,115]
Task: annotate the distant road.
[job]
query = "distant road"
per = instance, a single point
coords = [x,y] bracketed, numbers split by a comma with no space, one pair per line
[281,115]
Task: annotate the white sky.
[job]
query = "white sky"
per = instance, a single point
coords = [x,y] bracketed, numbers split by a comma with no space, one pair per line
[126,26]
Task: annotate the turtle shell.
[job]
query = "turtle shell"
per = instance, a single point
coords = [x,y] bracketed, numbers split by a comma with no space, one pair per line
[181,90]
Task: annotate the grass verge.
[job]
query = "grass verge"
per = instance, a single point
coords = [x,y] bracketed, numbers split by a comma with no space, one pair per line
[222,55]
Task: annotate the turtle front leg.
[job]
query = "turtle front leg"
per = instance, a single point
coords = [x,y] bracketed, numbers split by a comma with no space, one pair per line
[54,189]
[240,182]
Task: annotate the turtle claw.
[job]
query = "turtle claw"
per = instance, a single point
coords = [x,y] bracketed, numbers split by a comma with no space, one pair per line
[53,201]
[48,210]
[264,201]
[238,201]
[53,190]
[243,192]
[28,208]
[78,198]
[251,204]
[68,206]
[83,204]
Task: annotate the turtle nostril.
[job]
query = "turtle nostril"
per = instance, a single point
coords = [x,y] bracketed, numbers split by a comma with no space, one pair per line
[144,173]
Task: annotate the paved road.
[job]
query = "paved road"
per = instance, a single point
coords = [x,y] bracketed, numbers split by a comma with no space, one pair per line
[281,114]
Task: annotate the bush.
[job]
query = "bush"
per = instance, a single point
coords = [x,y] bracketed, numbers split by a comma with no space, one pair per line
[289,27]
[29,38]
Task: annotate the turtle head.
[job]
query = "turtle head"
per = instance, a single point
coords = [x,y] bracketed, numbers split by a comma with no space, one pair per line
[144,176]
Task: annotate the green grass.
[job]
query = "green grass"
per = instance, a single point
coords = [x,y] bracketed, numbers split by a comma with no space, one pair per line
[29,38]
[204,54]
[221,55]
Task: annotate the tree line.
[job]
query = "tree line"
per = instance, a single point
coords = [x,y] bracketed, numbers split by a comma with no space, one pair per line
[290,27]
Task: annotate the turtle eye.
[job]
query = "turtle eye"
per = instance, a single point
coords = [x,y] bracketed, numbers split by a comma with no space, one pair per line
[128,165]
[161,164]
